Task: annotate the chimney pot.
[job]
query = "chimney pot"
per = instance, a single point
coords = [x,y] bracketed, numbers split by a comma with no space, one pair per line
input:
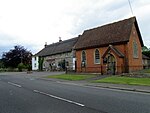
[60,39]
[45,44]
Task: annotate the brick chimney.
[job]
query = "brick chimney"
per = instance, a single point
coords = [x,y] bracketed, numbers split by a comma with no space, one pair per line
[60,39]
[45,44]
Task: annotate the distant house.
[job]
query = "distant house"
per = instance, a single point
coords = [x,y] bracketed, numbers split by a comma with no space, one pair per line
[35,62]
[56,56]
[146,61]
[112,48]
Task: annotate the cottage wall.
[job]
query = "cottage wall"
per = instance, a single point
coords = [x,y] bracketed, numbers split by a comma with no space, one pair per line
[56,59]
[35,63]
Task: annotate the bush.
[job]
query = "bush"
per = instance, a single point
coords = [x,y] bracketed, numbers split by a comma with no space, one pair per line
[20,67]
[29,67]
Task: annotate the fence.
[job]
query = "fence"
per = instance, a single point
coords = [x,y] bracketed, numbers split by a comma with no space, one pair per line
[109,70]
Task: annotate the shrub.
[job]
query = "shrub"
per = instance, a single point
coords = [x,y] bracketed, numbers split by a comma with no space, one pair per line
[20,67]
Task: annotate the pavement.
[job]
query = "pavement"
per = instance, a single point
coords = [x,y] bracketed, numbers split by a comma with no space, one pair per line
[135,88]
[41,76]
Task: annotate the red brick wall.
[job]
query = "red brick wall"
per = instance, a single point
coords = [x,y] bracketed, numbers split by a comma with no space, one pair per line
[128,62]
[134,63]
[96,68]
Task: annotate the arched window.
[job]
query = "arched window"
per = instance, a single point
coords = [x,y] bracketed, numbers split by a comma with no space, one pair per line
[135,49]
[97,57]
[83,56]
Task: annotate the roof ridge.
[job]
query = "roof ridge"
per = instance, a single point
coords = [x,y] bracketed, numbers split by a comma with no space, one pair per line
[64,41]
[133,18]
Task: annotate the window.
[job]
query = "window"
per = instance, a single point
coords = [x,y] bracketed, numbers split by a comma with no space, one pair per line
[35,65]
[135,49]
[97,57]
[35,58]
[83,63]
[83,56]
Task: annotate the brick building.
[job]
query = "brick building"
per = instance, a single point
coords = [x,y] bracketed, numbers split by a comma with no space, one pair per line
[112,48]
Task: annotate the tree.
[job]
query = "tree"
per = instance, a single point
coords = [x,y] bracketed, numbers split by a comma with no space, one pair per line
[146,51]
[16,56]
[1,64]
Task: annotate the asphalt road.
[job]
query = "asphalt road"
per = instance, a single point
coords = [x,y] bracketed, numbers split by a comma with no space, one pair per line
[21,93]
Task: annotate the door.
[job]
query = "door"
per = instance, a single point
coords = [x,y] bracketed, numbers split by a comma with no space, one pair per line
[111,64]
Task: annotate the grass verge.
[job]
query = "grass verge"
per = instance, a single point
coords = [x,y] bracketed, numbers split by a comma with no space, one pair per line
[72,77]
[125,80]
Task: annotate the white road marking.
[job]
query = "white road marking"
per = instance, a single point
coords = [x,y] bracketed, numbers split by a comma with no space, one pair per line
[59,98]
[68,83]
[14,84]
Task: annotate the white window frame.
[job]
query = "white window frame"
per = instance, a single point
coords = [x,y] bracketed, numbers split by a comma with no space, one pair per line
[95,60]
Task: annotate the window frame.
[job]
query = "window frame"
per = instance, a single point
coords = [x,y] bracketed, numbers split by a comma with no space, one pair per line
[35,58]
[95,55]
[135,50]
[85,59]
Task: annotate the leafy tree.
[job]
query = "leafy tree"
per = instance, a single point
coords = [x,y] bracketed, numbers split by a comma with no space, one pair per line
[16,56]
[1,64]
[146,51]
[21,66]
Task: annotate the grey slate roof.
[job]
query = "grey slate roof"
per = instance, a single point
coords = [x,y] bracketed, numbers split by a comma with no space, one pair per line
[57,48]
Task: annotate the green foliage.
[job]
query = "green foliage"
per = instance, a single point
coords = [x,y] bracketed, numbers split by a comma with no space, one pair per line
[1,64]
[15,56]
[21,66]
[125,80]
[144,71]
[41,60]
[146,51]
[71,77]
[29,67]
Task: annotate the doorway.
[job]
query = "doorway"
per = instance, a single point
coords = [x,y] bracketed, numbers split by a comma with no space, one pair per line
[111,64]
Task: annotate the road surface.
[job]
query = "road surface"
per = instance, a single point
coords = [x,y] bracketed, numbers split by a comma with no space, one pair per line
[21,93]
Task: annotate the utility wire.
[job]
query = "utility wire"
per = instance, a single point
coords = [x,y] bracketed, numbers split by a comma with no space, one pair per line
[130,7]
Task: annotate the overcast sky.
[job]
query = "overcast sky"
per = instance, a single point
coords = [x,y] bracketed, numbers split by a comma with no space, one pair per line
[31,23]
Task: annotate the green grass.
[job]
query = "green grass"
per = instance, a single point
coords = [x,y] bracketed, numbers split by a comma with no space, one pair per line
[125,80]
[144,71]
[72,77]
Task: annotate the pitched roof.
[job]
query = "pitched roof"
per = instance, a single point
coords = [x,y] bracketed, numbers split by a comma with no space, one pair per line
[117,32]
[59,47]
[145,57]
[115,50]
